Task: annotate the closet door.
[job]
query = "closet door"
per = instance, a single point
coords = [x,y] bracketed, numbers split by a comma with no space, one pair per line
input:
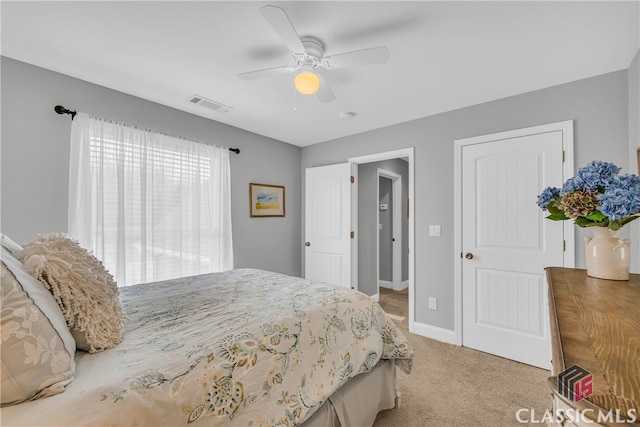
[507,242]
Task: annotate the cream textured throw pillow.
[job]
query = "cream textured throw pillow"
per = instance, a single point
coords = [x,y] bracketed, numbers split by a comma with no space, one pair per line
[84,289]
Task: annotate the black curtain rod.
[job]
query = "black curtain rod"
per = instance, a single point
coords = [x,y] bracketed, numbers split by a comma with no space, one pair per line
[61,110]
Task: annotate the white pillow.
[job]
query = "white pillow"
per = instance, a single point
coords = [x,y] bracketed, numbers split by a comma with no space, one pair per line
[37,348]
[84,289]
[10,245]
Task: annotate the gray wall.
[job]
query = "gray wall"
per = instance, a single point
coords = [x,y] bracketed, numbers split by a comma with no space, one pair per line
[597,105]
[634,143]
[35,161]
[35,152]
[367,226]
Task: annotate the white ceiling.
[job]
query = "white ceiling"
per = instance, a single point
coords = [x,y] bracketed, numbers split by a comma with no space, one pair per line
[444,55]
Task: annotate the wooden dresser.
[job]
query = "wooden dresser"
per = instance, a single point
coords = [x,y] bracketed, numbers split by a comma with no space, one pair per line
[595,324]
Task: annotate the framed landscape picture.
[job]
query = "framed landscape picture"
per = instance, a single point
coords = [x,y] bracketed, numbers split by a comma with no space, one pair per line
[266,200]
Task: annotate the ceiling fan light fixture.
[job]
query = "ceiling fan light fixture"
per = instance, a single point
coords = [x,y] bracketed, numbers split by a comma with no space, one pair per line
[307,83]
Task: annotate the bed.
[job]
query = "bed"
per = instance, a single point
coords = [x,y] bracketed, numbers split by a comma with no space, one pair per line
[244,347]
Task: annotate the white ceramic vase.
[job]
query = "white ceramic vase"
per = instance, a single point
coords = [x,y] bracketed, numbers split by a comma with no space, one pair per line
[607,255]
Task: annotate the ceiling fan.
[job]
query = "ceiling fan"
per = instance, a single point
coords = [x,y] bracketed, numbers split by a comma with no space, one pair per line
[308,53]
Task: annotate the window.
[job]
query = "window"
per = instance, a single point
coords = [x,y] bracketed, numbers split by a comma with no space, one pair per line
[150,206]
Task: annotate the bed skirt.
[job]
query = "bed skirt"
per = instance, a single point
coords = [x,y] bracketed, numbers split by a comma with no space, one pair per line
[358,401]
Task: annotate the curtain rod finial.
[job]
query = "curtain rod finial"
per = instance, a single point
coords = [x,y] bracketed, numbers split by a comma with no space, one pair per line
[61,110]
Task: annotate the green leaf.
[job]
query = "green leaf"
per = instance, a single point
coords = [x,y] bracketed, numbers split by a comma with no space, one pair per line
[627,220]
[615,225]
[583,222]
[596,216]
[552,207]
[557,216]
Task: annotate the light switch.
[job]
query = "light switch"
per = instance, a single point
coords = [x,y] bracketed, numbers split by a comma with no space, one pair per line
[434,230]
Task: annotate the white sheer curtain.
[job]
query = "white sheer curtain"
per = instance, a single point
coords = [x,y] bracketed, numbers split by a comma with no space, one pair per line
[150,206]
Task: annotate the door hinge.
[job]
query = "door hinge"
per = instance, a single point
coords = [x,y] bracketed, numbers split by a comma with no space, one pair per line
[564,246]
[353,179]
[563,156]
[353,234]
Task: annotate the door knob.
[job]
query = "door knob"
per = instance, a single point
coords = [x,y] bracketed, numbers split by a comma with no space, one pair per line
[468,255]
[307,243]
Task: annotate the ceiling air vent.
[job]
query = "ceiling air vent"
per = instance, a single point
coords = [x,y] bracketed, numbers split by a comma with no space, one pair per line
[207,103]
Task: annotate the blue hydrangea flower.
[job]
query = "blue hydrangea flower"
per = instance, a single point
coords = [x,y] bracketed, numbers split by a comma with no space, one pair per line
[604,169]
[571,185]
[596,189]
[618,203]
[597,174]
[626,182]
[547,196]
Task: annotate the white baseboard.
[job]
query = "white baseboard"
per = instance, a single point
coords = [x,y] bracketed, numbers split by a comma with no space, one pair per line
[375,297]
[385,284]
[389,285]
[434,332]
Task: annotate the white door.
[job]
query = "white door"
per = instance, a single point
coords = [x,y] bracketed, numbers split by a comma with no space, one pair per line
[328,224]
[507,243]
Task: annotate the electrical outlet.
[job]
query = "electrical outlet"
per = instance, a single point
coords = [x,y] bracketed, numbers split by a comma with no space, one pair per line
[433,303]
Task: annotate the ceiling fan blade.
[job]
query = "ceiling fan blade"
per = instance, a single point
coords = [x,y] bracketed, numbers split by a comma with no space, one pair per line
[373,55]
[325,94]
[258,74]
[281,24]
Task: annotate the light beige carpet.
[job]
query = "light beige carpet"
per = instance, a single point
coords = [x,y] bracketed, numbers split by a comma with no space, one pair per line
[453,386]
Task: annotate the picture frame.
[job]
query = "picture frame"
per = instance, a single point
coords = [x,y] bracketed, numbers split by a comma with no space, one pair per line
[266,200]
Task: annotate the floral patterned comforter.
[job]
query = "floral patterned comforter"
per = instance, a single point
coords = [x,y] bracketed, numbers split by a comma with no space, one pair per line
[239,348]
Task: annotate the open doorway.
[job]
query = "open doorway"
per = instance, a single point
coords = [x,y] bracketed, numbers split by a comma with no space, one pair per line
[393,284]
[392,227]
[384,259]
[383,235]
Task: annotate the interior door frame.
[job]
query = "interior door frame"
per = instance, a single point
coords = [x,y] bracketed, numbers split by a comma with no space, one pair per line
[396,189]
[568,228]
[371,158]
